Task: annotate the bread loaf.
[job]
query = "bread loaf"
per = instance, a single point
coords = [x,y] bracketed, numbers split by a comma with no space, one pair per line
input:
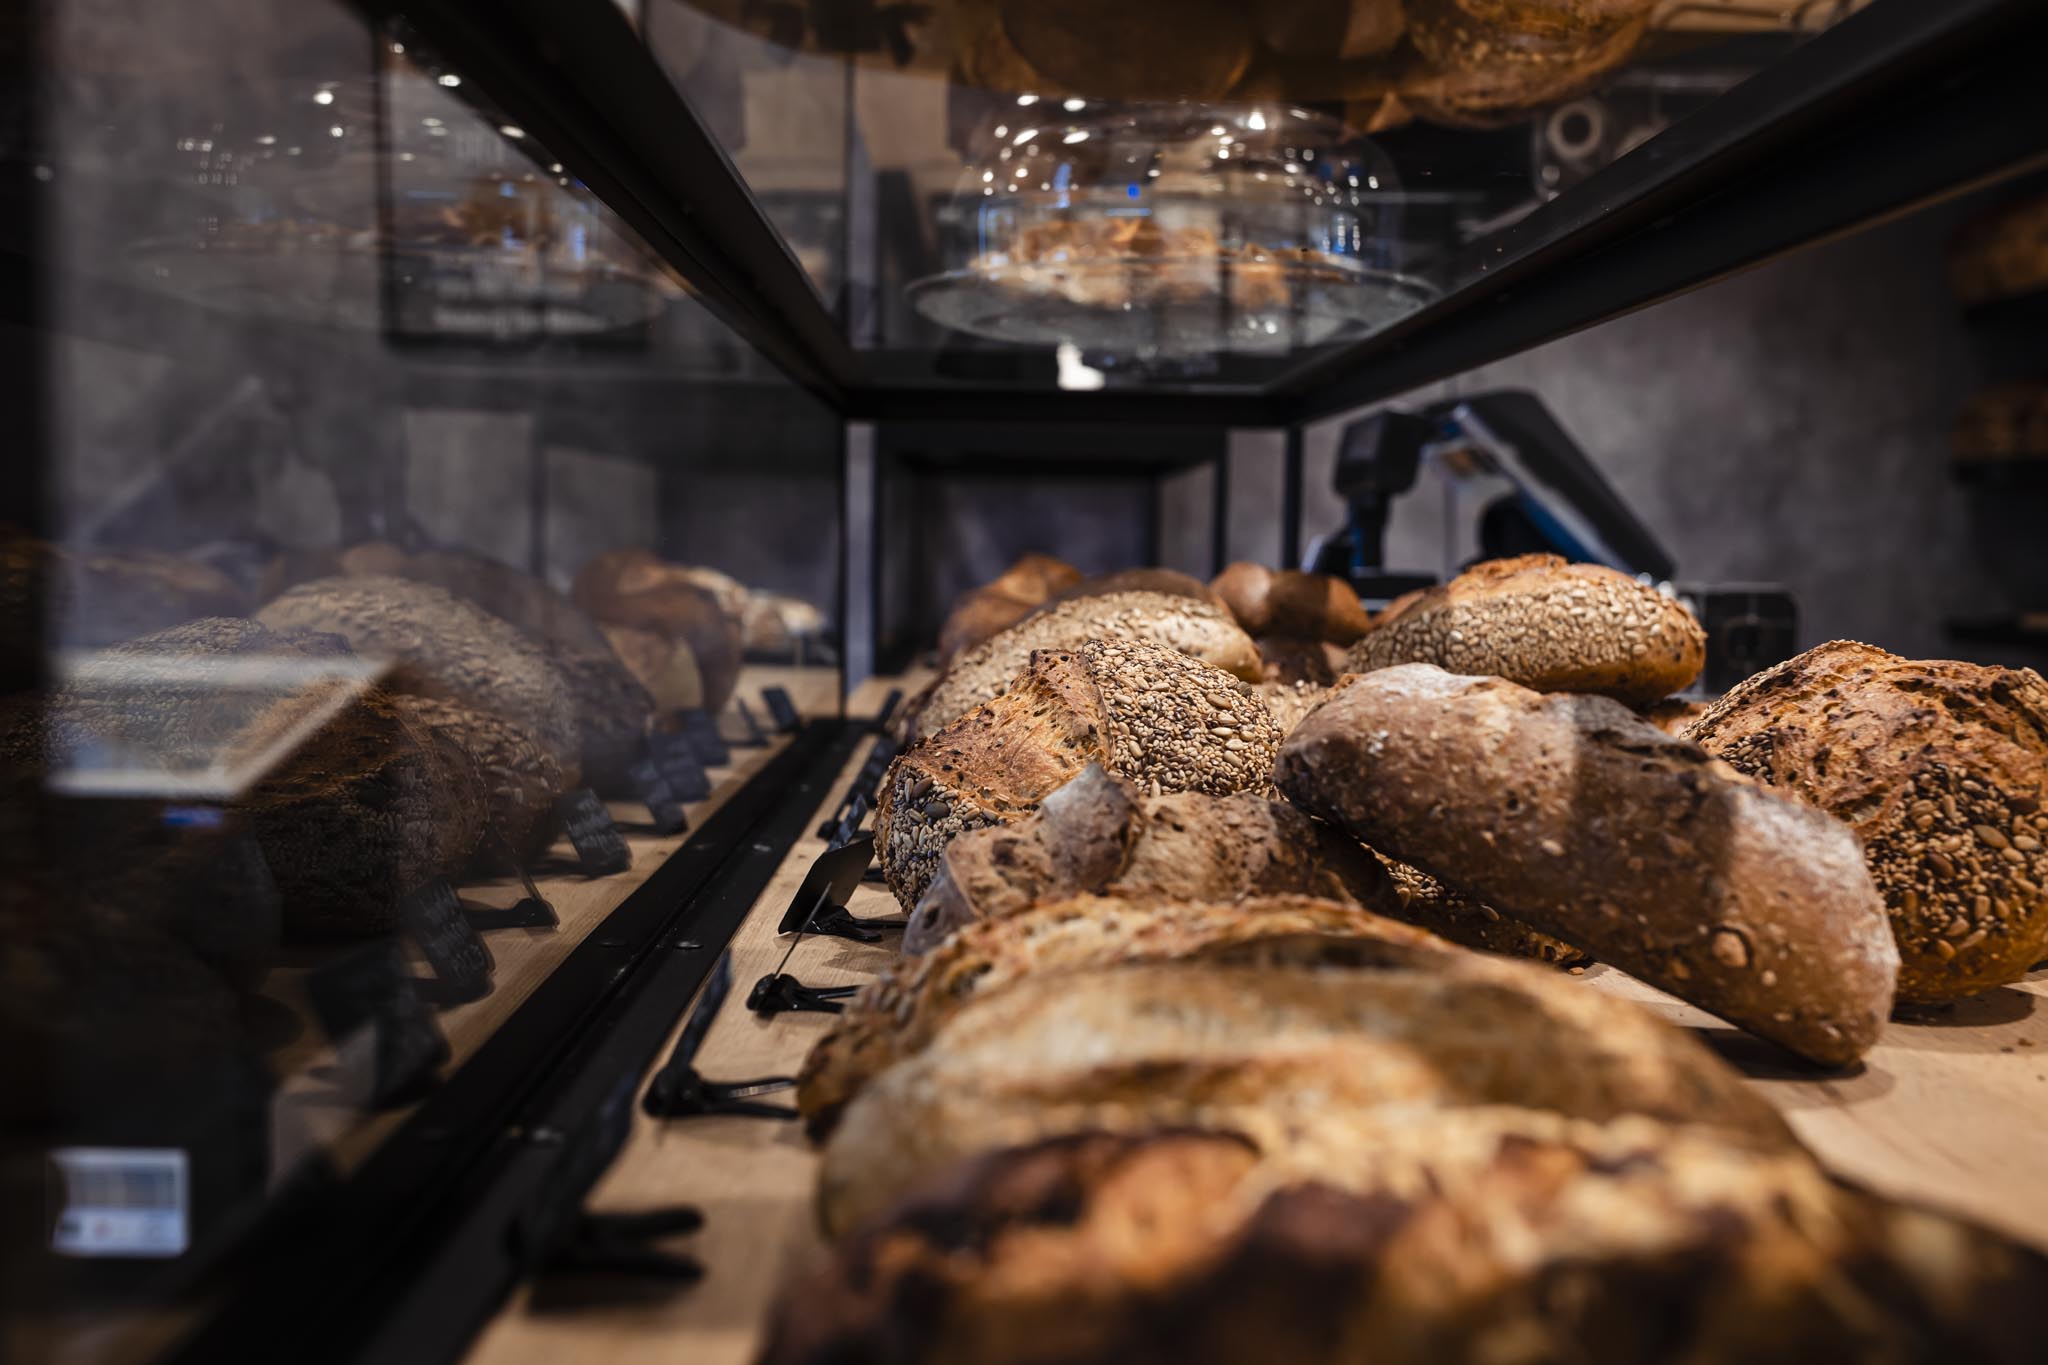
[1546,624]
[1194,628]
[440,646]
[1571,814]
[1941,768]
[1673,715]
[1479,1236]
[899,1013]
[1290,603]
[1142,711]
[519,781]
[1278,1049]
[775,624]
[996,606]
[1289,661]
[1100,833]
[1290,703]
[1488,69]
[638,589]
[1423,900]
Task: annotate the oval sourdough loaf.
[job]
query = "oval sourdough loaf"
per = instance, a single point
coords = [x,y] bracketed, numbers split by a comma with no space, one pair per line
[520,782]
[639,589]
[998,605]
[1572,814]
[1192,627]
[441,646]
[1278,1048]
[900,1012]
[1941,768]
[1473,1236]
[1290,603]
[1143,711]
[1102,833]
[1546,624]
[1422,899]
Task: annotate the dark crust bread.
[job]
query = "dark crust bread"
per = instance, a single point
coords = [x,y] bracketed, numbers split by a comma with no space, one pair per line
[640,589]
[1141,710]
[1100,833]
[519,781]
[901,1011]
[1290,603]
[1289,660]
[1571,814]
[1546,624]
[1941,768]
[1673,715]
[1423,900]
[1614,1244]
[998,605]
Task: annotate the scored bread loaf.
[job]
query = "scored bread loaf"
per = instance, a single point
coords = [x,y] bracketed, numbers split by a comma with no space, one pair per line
[1422,899]
[1277,1047]
[1482,1235]
[1570,813]
[1546,624]
[1102,833]
[1194,628]
[1143,711]
[899,1013]
[519,780]
[1941,768]
[998,605]
[1290,603]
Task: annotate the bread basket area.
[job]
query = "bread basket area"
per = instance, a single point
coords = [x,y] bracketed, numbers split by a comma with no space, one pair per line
[1017,682]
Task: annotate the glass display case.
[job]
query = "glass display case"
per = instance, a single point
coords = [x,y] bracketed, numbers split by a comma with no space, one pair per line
[486,468]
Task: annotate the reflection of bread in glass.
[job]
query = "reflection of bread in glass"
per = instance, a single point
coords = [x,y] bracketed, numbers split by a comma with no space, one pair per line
[1484,84]
[1138,49]
[1325,29]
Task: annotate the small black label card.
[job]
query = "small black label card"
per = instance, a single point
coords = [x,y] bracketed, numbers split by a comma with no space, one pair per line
[662,807]
[369,1006]
[888,707]
[830,881]
[599,845]
[676,759]
[781,709]
[462,965]
[755,738]
[701,732]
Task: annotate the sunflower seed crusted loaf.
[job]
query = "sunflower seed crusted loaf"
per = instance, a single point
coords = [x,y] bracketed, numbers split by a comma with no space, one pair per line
[1290,703]
[1941,768]
[1573,815]
[1467,1237]
[896,1015]
[1278,1047]
[1546,624]
[1101,833]
[1422,899]
[1143,711]
[1192,627]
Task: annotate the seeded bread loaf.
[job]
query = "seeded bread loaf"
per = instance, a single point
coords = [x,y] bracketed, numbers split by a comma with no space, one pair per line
[1546,624]
[1475,1236]
[440,646]
[1142,711]
[1288,602]
[1573,815]
[1290,703]
[1422,899]
[1100,833]
[1277,1048]
[899,1013]
[1194,628]
[519,781]
[996,606]
[1941,768]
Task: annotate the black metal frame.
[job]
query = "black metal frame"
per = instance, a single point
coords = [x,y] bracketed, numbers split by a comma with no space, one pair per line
[1863,121]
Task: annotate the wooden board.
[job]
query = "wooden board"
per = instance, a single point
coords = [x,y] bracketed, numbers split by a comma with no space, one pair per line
[1948,1112]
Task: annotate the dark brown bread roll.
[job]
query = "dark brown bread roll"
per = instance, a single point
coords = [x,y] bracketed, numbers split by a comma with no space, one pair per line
[1941,768]
[1290,603]
[1569,813]
[1287,660]
[1546,624]
[1143,711]
[1100,833]
[637,588]
[1471,1238]
[899,1013]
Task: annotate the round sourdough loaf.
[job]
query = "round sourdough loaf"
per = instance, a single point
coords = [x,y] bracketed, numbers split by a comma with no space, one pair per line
[1143,711]
[1100,833]
[1279,1048]
[1474,1236]
[1546,624]
[1941,768]
[1573,815]
[899,1013]
[1290,603]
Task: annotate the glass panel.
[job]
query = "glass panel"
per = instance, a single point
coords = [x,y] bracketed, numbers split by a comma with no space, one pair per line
[393,495]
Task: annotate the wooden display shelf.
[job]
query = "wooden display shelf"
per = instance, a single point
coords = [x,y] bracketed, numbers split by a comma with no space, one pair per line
[1948,1111]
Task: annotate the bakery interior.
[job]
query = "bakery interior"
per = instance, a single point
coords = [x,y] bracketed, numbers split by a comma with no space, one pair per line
[854,681]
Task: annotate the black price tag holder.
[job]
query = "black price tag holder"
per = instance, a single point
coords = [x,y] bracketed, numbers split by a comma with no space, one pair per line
[866,786]
[756,737]
[531,911]
[600,848]
[462,965]
[678,1091]
[781,709]
[675,758]
[700,731]
[368,1004]
[887,708]
[664,812]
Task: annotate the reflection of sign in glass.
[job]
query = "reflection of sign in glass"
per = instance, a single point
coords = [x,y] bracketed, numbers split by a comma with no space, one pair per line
[120,1201]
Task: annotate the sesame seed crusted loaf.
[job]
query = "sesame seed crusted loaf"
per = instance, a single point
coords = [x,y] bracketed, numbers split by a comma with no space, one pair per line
[1195,628]
[1287,1044]
[1422,899]
[897,1014]
[1484,1236]
[1941,768]
[1143,711]
[1546,624]
[1102,833]
[1290,703]
[1570,813]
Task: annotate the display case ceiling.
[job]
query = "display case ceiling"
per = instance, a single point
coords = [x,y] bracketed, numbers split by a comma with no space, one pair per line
[1256,215]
